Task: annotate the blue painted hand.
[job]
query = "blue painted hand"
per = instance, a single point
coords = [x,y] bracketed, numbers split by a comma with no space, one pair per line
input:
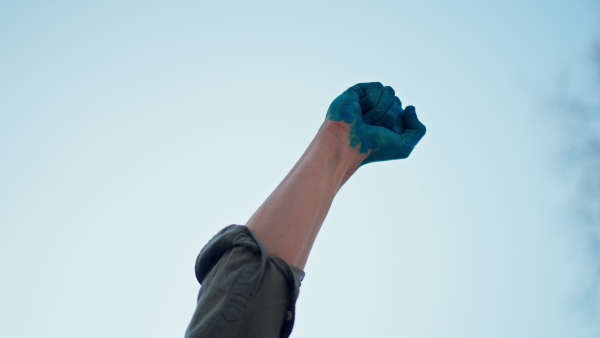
[378,124]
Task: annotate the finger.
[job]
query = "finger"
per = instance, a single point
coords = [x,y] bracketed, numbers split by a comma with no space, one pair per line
[361,88]
[413,128]
[372,94]
[393,118]
[346,107]
[389,119]
[349,105]
[392,113]
[374,115]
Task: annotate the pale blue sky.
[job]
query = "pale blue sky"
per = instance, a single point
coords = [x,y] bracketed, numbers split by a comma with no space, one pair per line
[130,132]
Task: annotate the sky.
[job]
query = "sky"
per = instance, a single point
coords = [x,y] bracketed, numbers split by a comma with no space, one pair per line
[131,132]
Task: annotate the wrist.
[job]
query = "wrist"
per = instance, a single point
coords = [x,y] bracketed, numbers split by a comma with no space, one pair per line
[336,134]
[330,151]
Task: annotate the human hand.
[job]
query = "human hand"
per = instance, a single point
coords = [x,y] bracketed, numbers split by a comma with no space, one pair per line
[378,125]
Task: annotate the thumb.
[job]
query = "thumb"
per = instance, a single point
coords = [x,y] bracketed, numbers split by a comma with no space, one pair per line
[414,130]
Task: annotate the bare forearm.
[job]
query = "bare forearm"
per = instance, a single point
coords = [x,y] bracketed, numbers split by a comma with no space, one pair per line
[299,205]
[366,123]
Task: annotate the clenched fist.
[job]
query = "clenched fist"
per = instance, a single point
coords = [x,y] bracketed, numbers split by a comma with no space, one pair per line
[378,125]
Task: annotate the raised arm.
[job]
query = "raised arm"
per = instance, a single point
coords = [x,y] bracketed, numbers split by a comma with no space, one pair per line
[366,123]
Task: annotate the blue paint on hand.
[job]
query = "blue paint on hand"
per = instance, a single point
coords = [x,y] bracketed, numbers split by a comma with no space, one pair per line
[378,124]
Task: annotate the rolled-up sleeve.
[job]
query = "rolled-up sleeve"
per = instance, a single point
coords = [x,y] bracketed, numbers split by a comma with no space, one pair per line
[245,291]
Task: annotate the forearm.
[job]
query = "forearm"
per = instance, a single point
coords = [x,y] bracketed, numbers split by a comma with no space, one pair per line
[364,124]
[290,218]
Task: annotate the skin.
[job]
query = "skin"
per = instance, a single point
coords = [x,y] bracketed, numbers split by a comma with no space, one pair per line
[378,124]
[366,123]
